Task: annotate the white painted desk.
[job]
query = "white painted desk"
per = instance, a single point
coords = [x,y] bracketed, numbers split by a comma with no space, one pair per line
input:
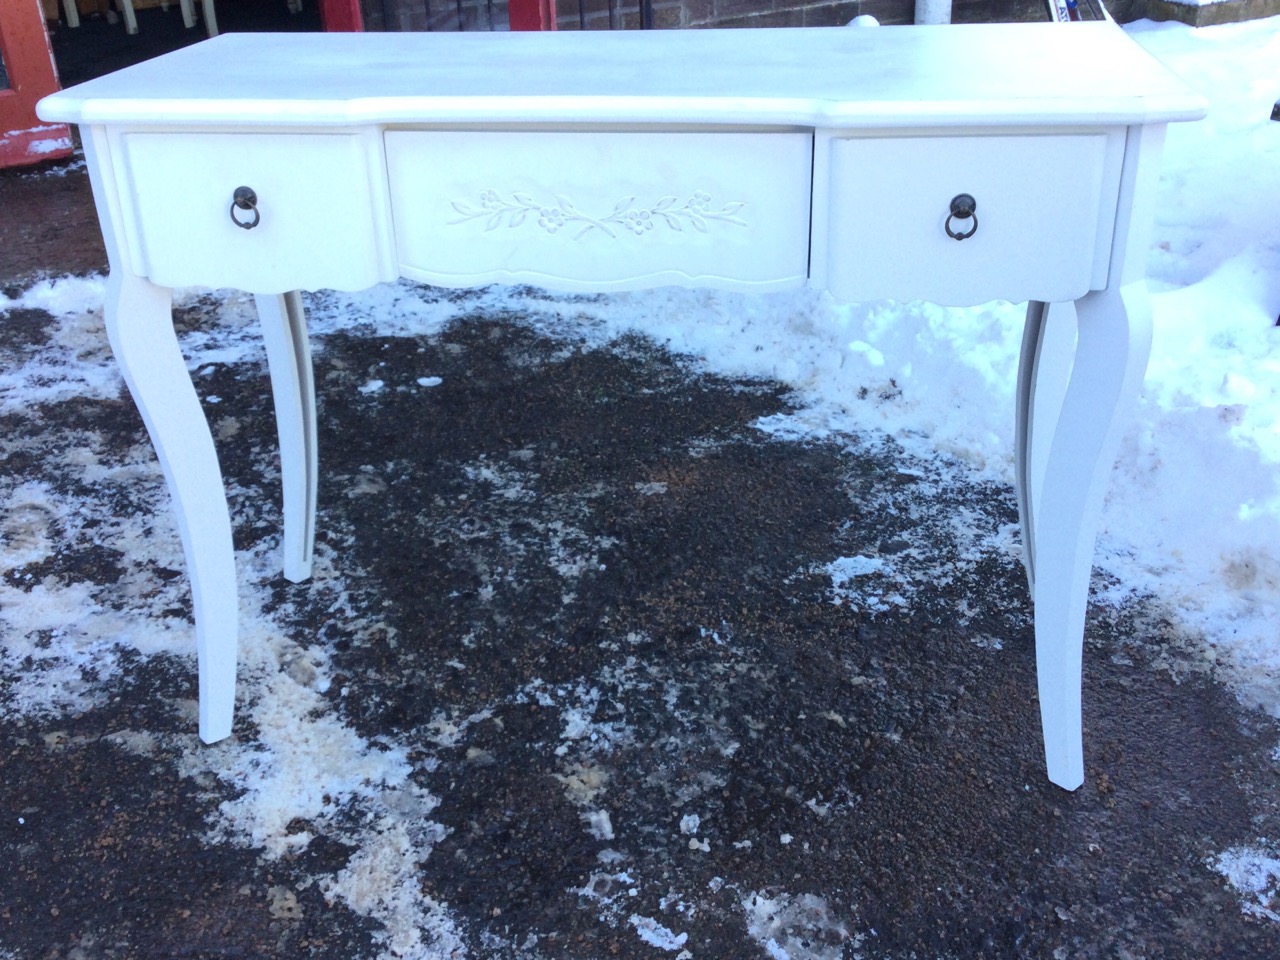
[741,159]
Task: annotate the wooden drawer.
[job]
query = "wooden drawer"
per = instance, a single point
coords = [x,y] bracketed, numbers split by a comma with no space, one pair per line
[1043,225]
[602,211]
[324,219]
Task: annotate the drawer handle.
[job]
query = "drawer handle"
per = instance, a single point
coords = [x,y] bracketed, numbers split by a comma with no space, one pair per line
[963,207]
[245,199]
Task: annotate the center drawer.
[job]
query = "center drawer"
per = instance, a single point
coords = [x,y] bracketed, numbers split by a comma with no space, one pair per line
[601,210]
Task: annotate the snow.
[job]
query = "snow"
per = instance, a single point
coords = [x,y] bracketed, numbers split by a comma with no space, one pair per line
[1191,519]
[795,927]
[1255,875]
[655,934]
[50,145]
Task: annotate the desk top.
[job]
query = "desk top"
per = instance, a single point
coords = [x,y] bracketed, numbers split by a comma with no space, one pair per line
[893,76]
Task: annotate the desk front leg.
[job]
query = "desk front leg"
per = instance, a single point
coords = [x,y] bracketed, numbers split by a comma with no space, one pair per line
[1067,440]
[139,324]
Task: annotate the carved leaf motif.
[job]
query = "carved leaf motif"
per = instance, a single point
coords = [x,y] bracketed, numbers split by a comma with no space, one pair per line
[623,204]
[494,222]
[517,218]
[566,204]
[463,208]
[698,223]
[663,204]
[524,199]
[733,207]
[672,222]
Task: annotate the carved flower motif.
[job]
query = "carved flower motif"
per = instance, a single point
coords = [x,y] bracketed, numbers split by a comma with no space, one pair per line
[490,200]
[700,202]
[638,221]
[550,219]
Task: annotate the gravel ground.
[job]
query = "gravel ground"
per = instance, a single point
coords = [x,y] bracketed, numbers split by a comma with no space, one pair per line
[561,531]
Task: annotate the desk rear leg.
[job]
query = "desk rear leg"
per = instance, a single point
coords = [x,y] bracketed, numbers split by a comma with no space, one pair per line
[139,323]
[1048,349]
[284,329]
[1063,501]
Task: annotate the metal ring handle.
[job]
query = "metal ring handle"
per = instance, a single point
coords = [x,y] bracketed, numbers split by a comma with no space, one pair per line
[963,207]
[245,199]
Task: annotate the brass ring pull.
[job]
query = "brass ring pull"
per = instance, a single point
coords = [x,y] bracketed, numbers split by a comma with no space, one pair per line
[245,199]
[963,207]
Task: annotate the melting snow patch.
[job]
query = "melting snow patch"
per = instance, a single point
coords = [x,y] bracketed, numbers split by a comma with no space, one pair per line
[1254,873]
[382,881]
[583,781]
[844,569]
[795,928]
[867,595]
[606,888]
[373,386]
[598,824]
[655,934]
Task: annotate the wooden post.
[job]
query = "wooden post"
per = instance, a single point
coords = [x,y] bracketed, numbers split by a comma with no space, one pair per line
[532,14]
[28,61]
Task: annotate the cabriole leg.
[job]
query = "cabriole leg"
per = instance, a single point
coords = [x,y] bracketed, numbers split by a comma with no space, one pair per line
[284,329]
[1113,342]
[139,325]
[1048,348]
[1022,433]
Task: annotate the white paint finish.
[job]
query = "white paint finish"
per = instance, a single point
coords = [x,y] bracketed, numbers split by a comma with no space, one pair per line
[1112,177]
[322,221]
[1040,200]
[284,332]
[1064,174]
[602,211]
[1113,343]
[140,328]
[896,76]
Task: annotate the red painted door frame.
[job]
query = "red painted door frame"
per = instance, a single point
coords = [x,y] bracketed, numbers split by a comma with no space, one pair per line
[532,14]
[24,44]
[341,16]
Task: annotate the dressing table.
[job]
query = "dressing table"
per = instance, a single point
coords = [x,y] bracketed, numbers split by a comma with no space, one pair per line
[956,164]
